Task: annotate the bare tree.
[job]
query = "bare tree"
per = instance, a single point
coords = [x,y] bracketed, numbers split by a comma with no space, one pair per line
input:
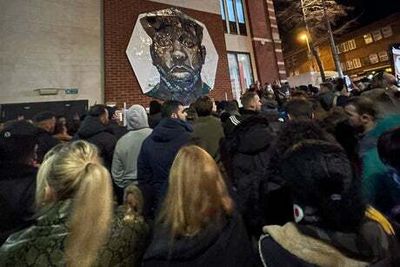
[310,14]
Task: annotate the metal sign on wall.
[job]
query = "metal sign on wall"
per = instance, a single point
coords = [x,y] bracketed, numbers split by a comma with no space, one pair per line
[172,55]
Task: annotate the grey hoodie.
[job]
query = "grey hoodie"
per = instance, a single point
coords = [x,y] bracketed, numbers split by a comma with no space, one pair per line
[124,165]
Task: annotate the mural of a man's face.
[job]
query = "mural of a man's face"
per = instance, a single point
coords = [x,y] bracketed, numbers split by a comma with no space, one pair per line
[176,50]
[178,55]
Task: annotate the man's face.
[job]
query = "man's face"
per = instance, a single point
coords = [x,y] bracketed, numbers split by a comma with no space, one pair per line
[257,103]
[354,118]
[104,118]
[50,125]
[180,114]
[178,55]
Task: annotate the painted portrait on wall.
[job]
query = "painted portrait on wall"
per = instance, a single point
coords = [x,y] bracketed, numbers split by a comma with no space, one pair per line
[172,55]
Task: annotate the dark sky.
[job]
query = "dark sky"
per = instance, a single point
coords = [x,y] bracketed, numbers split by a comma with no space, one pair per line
[372,10]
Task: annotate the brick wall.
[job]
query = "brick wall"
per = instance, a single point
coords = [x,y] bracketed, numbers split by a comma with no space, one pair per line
[120,83]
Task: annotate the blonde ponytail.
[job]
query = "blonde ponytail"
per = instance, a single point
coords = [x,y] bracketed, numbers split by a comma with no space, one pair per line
[76,173]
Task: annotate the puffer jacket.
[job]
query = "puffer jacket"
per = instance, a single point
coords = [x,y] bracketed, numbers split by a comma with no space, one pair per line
[245,154]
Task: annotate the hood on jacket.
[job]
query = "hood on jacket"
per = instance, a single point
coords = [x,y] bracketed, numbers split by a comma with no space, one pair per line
[136,118]
[90,127]
[213,237]
[169,129]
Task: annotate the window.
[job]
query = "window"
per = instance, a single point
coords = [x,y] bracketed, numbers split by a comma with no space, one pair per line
[373,58]
[233,16]
[383,56]
[350,65]
[357,63]
[387,31]
[377,35]
[368,38]
[365,61]
[240,72]
[338,49]
[352,44]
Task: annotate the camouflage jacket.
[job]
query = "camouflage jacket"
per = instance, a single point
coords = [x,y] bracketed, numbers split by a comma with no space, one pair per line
[43,243]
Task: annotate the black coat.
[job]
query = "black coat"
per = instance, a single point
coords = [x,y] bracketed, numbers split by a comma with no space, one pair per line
[245,154]
[228,245]
[155,159]
[17,195]
[45,142]
[93,131]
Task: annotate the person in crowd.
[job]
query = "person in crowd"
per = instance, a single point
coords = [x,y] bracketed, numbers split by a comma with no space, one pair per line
[154,113]
[76,226]
[299,109]
[251,106]
[245,155]
[126,153]
[197,224]
[114,125]
[370,124]
[191,113]
[337,124]
[46,122]
[388,191]
[333,226]
[275,194]
[61,131]
[18,140]
[207,128]
[94,130]
[231,108]
[327,96]
[158,152]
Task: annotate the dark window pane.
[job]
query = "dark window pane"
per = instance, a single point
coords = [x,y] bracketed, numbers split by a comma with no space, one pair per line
[242,28]
[232,27]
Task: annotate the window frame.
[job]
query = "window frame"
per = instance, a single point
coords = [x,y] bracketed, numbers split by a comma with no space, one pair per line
[224,8]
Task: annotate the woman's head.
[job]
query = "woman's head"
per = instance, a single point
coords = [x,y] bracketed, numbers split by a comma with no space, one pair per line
[323,185]
[197,194]
[74,171]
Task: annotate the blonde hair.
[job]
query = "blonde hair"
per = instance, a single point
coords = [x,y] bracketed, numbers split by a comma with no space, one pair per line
[197,194]
[74,171]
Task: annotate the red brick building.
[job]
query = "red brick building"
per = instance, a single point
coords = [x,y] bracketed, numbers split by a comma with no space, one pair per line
[244,33]
[361,52]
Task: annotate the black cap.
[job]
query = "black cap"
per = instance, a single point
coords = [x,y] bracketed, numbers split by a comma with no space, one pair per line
[42,116]
[17,141]
[18,129]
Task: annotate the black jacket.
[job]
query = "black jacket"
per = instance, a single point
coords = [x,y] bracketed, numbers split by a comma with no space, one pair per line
[17,195]
[245,154]
[230,124]
[155,159]
[45,142]
[228,245]
[93,131]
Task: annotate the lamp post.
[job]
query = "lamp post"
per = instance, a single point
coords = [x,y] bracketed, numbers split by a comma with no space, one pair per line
[332,42]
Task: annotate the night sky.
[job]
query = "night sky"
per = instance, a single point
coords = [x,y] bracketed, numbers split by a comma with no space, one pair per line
[372,10]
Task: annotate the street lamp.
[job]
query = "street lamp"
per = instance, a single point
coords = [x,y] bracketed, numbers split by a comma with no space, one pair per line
[304,37]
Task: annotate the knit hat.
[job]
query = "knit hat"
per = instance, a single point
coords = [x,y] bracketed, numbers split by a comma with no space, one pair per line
[322,183]
[42,116]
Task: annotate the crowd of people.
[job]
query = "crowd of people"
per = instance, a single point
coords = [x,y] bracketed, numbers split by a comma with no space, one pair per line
[301,176]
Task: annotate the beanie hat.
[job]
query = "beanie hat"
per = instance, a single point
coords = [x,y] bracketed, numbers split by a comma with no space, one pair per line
[321,178]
